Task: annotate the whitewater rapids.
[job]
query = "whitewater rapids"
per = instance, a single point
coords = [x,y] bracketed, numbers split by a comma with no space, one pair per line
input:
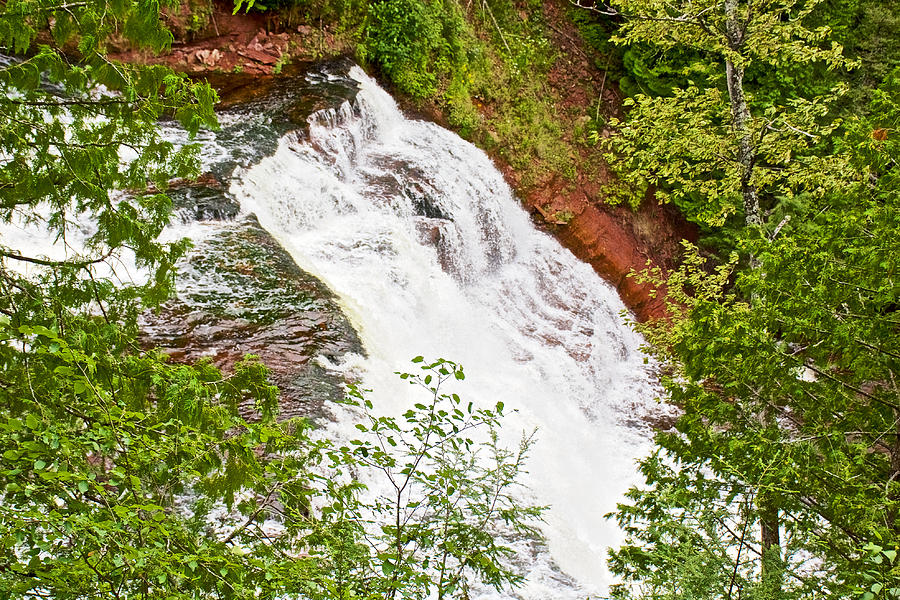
[430,254]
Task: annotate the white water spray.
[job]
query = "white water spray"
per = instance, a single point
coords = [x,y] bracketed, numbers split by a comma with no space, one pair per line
[430,253]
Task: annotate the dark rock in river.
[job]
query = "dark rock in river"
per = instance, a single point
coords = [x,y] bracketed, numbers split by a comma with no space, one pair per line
[203,203]
[240,292]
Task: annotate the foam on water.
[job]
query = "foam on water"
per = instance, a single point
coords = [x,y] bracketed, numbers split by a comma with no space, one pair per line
[430,253]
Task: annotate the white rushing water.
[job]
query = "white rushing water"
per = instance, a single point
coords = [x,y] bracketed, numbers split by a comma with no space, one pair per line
[430,254]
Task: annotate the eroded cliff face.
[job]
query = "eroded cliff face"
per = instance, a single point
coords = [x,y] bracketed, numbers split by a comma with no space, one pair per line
[616,240]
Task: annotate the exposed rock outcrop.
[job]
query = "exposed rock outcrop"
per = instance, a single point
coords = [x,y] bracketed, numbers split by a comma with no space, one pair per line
[241,293]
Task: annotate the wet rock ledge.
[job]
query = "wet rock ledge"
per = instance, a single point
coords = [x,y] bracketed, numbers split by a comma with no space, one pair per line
[240,292]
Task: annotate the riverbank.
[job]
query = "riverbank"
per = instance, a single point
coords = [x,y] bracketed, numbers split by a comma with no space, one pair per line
[242,54]
[615,239]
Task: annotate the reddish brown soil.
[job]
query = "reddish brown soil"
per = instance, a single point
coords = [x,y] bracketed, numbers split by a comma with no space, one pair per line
[615,240]
[248,43]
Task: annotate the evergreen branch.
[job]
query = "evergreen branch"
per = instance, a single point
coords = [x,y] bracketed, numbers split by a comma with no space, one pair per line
[609,11]
[66,7]
[253,515]
[55,263]
[846,385]
[45,103]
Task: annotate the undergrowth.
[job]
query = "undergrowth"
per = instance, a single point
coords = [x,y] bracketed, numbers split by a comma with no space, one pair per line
[483,64]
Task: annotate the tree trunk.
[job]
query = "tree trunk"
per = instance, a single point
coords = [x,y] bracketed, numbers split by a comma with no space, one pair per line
[770,541]
[740,112]
[894,477]
[771,566]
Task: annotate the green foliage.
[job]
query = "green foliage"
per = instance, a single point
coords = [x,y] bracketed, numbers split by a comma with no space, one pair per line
[124,475]
[447,502]
[99,440]
[415,42]
[428,47]
[658,74]
[113,464]
[787,375]
[776,34]
[463,115]
[533,128]
[65,125]
[871,39]
[786,371]
[863,28]
[685,148]
[696,539]
[596,31]
[711,148]
[128,475]
[882,577]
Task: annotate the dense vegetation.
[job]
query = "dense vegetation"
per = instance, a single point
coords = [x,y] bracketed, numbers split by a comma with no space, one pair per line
[771,124]
[780,480]
[123,475]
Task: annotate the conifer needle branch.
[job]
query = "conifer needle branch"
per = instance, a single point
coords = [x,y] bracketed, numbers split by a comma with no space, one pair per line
[609,11]
[44,103]
[54,263]
[31,11]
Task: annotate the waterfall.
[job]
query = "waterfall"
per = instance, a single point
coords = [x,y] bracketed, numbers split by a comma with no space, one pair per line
[430,254]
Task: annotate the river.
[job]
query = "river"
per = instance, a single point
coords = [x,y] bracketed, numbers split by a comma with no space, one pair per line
[430,253]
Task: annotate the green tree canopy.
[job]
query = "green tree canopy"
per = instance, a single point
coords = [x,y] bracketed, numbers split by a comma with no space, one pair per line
[123,475]
[787,374]
[79,134]
[709,147]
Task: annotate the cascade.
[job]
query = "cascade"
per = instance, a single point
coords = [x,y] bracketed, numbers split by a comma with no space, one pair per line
[429,253]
